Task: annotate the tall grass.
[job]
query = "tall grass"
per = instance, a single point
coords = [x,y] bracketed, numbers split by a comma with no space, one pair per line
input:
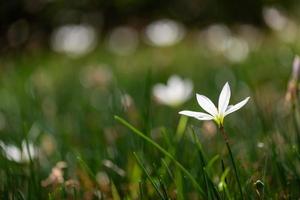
[144,150]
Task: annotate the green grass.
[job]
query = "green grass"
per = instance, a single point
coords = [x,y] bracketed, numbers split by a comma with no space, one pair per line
[153,152]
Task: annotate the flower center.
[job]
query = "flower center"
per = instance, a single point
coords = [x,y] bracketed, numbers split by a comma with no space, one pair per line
[219,119]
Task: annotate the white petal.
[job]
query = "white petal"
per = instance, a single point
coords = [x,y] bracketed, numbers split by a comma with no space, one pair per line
[197,115]
[224,98]
[176,92]
[235,107]
[207,105]
[160,93]
[13,153]
[159,90]
[174,81]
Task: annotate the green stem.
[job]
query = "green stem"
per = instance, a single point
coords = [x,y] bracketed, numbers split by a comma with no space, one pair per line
[232,160]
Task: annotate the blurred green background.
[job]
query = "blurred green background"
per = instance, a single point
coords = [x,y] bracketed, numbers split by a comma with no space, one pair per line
[67,68]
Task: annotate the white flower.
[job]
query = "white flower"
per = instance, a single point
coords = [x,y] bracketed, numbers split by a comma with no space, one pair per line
[74,40]
[216,114]
[176,92]
[16,154]
[164,32]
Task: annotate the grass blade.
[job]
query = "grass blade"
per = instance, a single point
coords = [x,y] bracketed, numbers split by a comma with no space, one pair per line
[148,176]
[85,166]
[139,133]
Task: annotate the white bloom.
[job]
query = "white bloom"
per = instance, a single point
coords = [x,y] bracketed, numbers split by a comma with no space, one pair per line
[275,19]
[216,36]
[260,144]
[176,92]
[164,32]
[216,114]
[16,154]
[74,40]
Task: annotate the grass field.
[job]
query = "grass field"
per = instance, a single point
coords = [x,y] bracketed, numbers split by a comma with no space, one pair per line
[93,129]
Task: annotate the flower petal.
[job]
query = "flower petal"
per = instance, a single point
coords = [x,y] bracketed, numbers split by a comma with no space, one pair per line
[197,115]
[207,105]
[174,80]
[224,99]
[233,108]
[160,92]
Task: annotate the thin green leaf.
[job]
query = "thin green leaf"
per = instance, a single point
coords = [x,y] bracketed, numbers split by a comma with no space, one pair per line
[139,133]
[156,187]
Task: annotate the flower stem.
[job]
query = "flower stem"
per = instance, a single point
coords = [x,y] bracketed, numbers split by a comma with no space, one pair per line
[232,160]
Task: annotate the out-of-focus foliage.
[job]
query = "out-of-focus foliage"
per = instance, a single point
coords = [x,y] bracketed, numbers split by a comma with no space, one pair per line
[64,105]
